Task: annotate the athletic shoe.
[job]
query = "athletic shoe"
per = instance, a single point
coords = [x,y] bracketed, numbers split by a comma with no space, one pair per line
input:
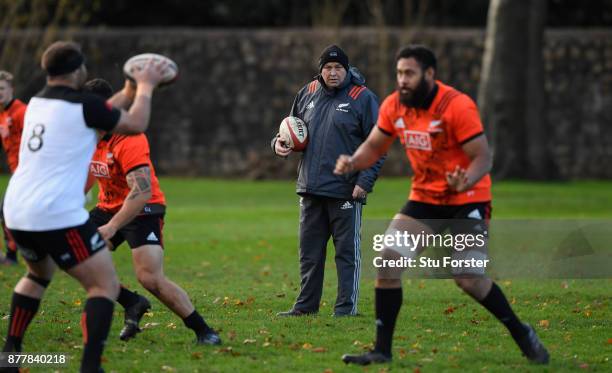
[532,347]
[4,261]
[372,357]
[133,315]
[210,337]
[294,312]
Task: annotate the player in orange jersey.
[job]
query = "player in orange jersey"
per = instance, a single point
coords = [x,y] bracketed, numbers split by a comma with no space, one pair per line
[131,207]
[443,137]
[12,111]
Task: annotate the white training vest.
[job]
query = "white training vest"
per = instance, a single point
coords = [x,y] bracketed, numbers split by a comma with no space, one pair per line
[46,192]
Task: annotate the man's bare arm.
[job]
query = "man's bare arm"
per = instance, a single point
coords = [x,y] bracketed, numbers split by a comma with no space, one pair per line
[139,181]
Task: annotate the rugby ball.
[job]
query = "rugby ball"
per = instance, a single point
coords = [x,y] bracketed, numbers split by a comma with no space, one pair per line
[137,62]
[294,133]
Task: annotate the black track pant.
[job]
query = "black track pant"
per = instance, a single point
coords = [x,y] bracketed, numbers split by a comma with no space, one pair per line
[320,218]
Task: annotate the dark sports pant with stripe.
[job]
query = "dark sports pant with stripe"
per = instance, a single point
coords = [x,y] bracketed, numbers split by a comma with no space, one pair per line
[320,219]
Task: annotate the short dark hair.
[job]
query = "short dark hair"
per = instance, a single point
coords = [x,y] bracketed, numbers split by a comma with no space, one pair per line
[423,55]
[62,57]
[6,76]
[100,87]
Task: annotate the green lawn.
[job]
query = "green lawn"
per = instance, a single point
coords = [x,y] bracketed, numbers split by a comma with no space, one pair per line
[233,246]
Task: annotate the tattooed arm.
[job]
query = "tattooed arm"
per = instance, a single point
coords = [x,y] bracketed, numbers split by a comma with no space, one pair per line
[139,181]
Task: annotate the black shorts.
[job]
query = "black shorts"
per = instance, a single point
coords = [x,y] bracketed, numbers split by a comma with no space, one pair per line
[145,229]
[461,220]
[67,247]
[457,218]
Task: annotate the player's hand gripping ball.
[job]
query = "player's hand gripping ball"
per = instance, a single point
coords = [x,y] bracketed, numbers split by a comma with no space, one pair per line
[293,133]
[137,62]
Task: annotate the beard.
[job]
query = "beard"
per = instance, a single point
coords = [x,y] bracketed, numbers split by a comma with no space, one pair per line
[415,98]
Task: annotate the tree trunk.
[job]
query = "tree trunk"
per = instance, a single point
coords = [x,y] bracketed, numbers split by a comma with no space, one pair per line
[511,93]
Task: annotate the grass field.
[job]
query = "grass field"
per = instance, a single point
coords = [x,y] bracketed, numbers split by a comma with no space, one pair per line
[233,246]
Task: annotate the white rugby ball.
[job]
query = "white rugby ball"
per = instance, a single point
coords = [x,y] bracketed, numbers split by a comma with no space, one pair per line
[294,133]
[137,62]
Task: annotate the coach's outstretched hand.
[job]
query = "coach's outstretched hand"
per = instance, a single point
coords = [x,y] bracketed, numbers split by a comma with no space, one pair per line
[152,73]
[344,165]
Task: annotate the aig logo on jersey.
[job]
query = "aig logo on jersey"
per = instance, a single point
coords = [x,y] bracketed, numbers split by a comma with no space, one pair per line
[99,169]
[417,140]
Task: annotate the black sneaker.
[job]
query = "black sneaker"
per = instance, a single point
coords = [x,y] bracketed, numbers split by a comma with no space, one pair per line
[532,347]
[208,338]
[372,357]
[132,316]
[295,313]
[6,261]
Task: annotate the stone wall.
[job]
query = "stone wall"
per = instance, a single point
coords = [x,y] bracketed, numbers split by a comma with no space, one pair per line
[235,86]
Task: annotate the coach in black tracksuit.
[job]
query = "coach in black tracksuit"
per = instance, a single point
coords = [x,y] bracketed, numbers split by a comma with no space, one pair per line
[339,112]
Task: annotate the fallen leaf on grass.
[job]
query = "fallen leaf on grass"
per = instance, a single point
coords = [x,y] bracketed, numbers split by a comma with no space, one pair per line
[610,341]
[544,323]
[402,353]
[231,335]
[306,346]
[449,310]
[227,350]
[319,349]
[150,325]
[196,355]
[584,366]
[564,285]
[167,368]
[249,341]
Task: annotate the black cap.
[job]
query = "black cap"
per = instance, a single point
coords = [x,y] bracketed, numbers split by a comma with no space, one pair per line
[334,53]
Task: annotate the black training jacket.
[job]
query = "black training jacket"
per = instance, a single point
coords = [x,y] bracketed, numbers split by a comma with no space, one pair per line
[338,121]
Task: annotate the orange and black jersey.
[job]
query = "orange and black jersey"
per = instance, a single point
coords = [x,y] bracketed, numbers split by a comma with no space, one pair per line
[432,138]
[115,156]
[11,126]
